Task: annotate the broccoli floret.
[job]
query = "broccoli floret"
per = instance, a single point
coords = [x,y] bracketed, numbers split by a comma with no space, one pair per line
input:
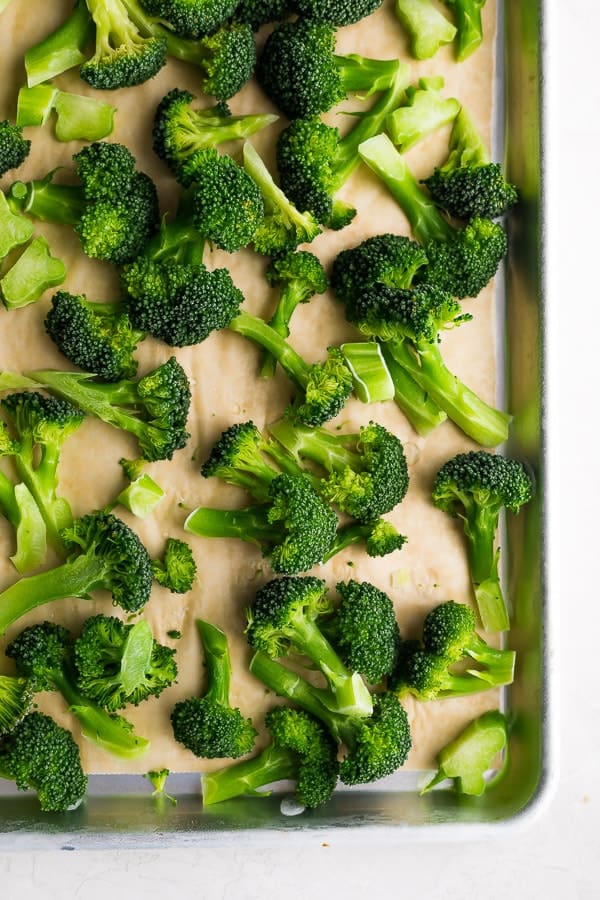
[62,49]
[15,229]
[154,409]
[301,751]
[409,322]
[158,780]
[283,619]
[34,272]
[191,18]
[14,149]
[227,59]
[40,755]
[301,73]
[114,210]
[177,569]
[208,725]
[389,259]
[43,653]
[117,664]
[16,696]
[237,458]
[97,337]
[258,12]
[180,132]
[461,260]
[475,487]
[367,471]
[294,528]
[42,425]
[334,12]
[103,553]
[283,226]
[466,759]
[467,15]
[427,28]
[299,276]
[379,537]
[423,111]
[468,185]
[374,746]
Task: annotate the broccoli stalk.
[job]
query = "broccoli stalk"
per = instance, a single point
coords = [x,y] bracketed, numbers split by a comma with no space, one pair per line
[77,117]
[15,229]
[372,380]
[62,49]
[379,537]
[421,411]
[427,28]
[467,14]
[20,509]
[423,112]
[34,272]
[466,759]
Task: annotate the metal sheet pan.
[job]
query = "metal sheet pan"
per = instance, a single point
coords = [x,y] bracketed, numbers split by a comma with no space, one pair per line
[118,813]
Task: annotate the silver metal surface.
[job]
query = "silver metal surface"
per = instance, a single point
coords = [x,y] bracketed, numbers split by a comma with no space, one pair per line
[119,811]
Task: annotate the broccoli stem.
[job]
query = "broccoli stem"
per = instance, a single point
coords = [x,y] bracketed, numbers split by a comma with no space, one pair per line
[322,447]
[217,661]
[484,424]
[358,73]
[423,414]
[291,295]
[466,145]
[356,533]
[177,240]
[73,579]
[273,764]
[248,524]
[41,483]
[469,25]
[258,331]
[23,513]
[426,221]
[62,49]
[480,528]
[62,204]
[8,502]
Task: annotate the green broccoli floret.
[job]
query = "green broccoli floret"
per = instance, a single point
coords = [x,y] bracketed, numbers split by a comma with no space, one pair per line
[468,185]
[334,12]
[114,210]
[103,554]
[158,780]
[180,132]
[16,696]
[314,162]
[294,527]
[97,337]
[15,229]
[467,15]
[283,619]
[40,755]
[461,260]
[301,751]
[299,276]
[389,259]
[379,537]
[410,322]
[237,458]
[177,568]
[14,149]
[427,28]
[154,409]
[191,18]
[42,425]
[466,759]
[117,664]
[208,725]
[374,746]
[423,111]
[258,12]
[475,487]
[301,73]
[43,653]
[226,59]
[31,275]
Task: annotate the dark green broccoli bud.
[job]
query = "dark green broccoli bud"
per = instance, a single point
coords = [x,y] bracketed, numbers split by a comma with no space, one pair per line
[44,654]
[104,169]
[97,337]
[154,409]
[301,73]
[283,619]
[40,755]
[258,12]
[427,28]
[177,569]
[301,751]
[294,528]
[191,18]
[469,185]
[14,149]
[117,664]
[389,259]
[180,132]
[334,12]
[237,458]
[227,59]
[103,554]
[367,471]
[374,746]
[42,425]
[208,725]
[410,322]
[467,15]
[16,696]
[475,487]
[379,537]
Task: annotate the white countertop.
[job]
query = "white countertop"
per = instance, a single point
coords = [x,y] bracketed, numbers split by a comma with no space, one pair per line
[557,856]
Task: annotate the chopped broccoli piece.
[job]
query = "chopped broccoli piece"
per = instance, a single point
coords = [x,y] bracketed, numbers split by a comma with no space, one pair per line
[177,569]
[468,185]
[294,528]
[379,537]
[117,664]
[208,725]
[334,12]
[474,487]
[43,654]
[62,49]
[389,259]
[237,458]
[258,12]
[154,409]
[20,509]
[427,28]
[15,229]
[372,380]
[38,754]
[300,751]
[14,149]
[423,112]
[158,780]
[77,117]
[191,18]
[16,696]
[34,104]
[467,15]
[421,411]
[142,494]
[466,759]
[34,272]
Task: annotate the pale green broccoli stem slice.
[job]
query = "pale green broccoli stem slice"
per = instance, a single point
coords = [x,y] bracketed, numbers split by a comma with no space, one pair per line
[34,272]
[467,15]
[424,112]
[23,513]
[61,50]
[322,447]
[427,28]
[78,118]
[423,414]
[15,229]
[372,380]
[469,756]
[273,764]
[34,104]
[480,531]
[142,495]
[62,204]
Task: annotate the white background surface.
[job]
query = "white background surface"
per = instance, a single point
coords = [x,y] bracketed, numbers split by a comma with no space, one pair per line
[556,858]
